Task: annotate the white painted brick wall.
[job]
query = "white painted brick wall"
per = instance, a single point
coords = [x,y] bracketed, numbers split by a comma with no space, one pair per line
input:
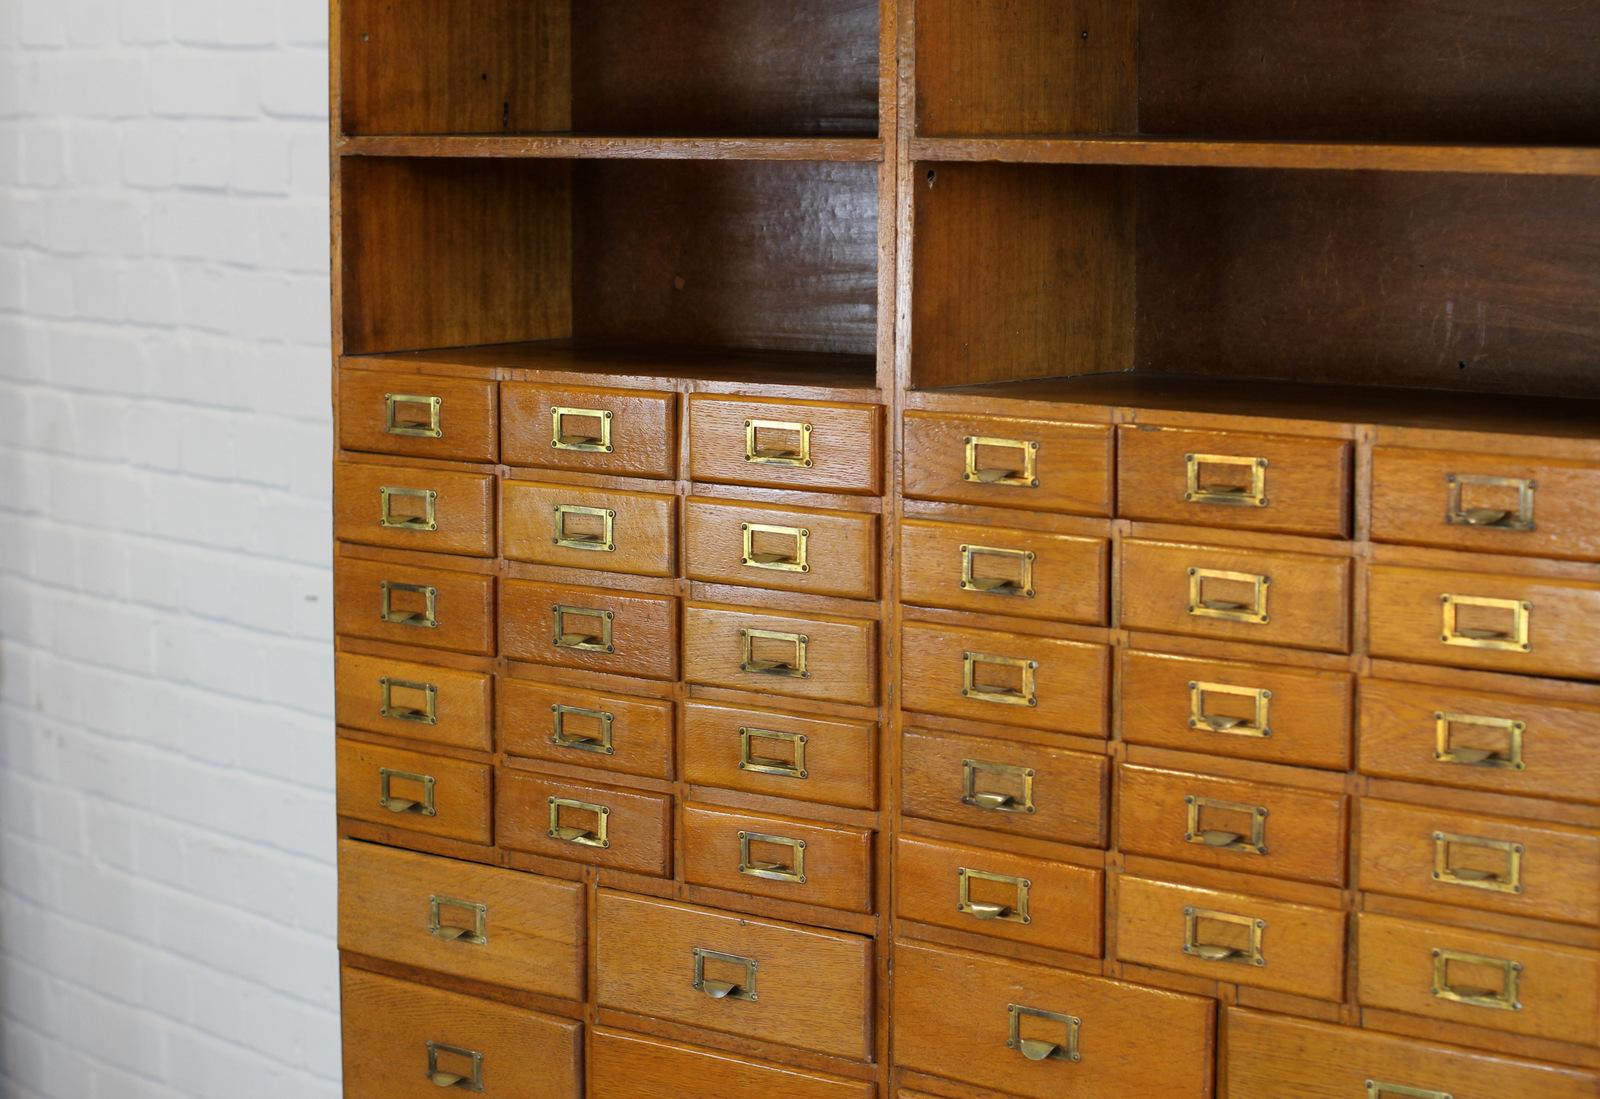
[166,809]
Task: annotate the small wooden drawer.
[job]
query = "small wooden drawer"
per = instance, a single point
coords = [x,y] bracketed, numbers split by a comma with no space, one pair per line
[1248,711]
[1018,898]
[1235,938]
[764,752]
[594,729]
[502,927]
[1234,479]
[419,415]
[792,860]
[1007,678]
[407,1041]
[595,629]
[414,509]
[632,1066]
[736,974]
[1035,465]
[624,432]
[619,829]
[414,791]
[812,656]
[1479,620]
[1521,867]
[991,570]
[1279,831]
[443,706]
[786,444]
[1269,597]
[1475,978]
[427,607]
[785,549]
[1041,1033]
[1004,786]
[607,530]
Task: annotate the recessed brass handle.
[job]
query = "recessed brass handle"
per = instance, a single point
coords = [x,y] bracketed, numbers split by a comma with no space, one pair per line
[1017,800]
[425,619]
[1026,692]
[1448,746]
[422,807]
[1021,471]
[1503,998]
[1513,636]
[597,836]
[1200,490]
[1017,581]
[792,664]
[751,867]
[396,421]
[568,636]
[426,714]
[1458,512]
[476,934]
[1507,878]
[581,429]
[754,556]
[1014,912]
[593,530]
[793,448]
[1377,1089]
[599,743]
[742,989]
[1206,815]
[388,517]
[468,1067]
[1040,1049]
[1206,598]
[1201,716]
[794,767]
[1247,952]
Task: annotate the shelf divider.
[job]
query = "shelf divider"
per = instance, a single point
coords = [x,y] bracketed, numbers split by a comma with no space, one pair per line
[595,147]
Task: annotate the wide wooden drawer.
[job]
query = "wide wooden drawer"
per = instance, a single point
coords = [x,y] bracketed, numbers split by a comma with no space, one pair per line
[786,549]
[409,1041]
[1254,827]
[413,791]
[602,825]
[764,752]
[626,432]
[786,444]
[444,706]
[1041,1033]
[1036,465]
[1236,938]
[498,926]
[596,729]
[1018,898]
[419,415]
[812,656]
[429,607]
[632,1066]
[608,530]
[793,860]
[992,570]
[756,978]
[1478,979]
[595,629]
[1007,678]
[1248,711]
[414,509]
[1300,600]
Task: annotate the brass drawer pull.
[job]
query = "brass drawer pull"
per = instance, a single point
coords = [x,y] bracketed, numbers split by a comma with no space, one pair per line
[791,665]
[422,807]
[1194,944]
[1476,634]
[1504,998]
[1021,471]
[567,636]
[764,452]
[1449,748]
[425,619]
[1018,582]
[1227,493]
[1038,1049]
[766,765]
[1202,830]
[427,714]
[1206,598]
[1377,1089]
[595,530]
[394,404]
[792,871]
[470,1076]
[995,801]
[1507,879]
[598,836]
[475,935]
[1015,912]
[1200,716]
[387,516]
[744,989]
[599,743]
[1024,694]
[580,436]
[1459,512]
[755,557]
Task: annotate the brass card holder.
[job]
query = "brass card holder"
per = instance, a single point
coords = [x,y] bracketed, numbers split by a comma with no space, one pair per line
[756,452]
[1458,513]
[1515,639]
[796,561]
[477,934]
[1018,586]
[1199,491]
[425,619]
[1446,750]
[1195,946]
[428,428]
[600,744]
[598,836]
[562,437]
[567,637]
[1016,912]
[1200,717]
[1228,610]
[1023,473]
[1037,1049]
[427,521]
[469,1080]
[1504,998]
[427,714]
[795,667]
[725,990]
[793,871]
[1027,694]
[1253,842]
[766,765]
[995,801]
[387,799]
[1377,1089]
[603,542]
[1508,880]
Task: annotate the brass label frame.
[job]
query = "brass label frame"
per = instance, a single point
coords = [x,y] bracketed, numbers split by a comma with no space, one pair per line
[605,543]
[560,440]
[1026,695]
[755,454]
[558,729]
[1021,588]
[1445,873]
[426,807]
[797,668]
[1035,1049]
[794,873]
[440,1079]
[981,910]
[598,836]
[1517,641]
[724,990]
[433,429]
[428,715]
[582,642]
[1445,751]
[477,935]
[1192,946]
[1458,515]
[995,802]
[1197,493]
[1255,612]
[749,761]
[1255,843]
[1259,726]
[1026,477]
[1507,999]
[425,619]
[426,523]
[1378,1089]
[799,561]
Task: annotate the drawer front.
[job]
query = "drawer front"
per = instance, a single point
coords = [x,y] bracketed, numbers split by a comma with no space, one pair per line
[414,509]
[416,701]
[785,549]
[792,860]
[764,752]
[1000,571]
[1035,465]
[1247,711]
[608,530]
[632,1066]
[1010,679]
[601,825]
[427,607]
[597,729]
[812,656]
[419,415]
[756,978]
[1299,600]
[786,444]
[414,791]
[1040,1033]
[503,927]
[625,432]
[1017,898]
[593,629]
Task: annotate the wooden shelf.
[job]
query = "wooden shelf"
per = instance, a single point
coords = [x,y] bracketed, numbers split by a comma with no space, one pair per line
[852,150]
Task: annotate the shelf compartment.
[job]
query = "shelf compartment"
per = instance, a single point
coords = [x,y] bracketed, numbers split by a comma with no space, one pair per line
[577,147]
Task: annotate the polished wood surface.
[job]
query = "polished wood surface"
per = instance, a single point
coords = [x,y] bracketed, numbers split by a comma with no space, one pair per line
[426,793]
[721,743]
[1073,463]
[468,416]
[810,862]
[1030,574]
[840,548]
[838,653]
[567,820]
[569,725]
[425,509]
[443,706]
[463,604]
[567,627]
[842,448]
[642,429]
[605,530]
[632,1066]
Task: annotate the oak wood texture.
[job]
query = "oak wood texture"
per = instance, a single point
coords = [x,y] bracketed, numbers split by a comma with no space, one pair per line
[840,653]
[637,825]
[837,858]
[460,792]
[840,756]
[1073,463]
[844,453]
[642,429]
[641,729]
[464,612]
[632,1066]
[460,508]
[468,415]
[841,548]
[1058,577]
[635,532]
[644,628]
[461,701]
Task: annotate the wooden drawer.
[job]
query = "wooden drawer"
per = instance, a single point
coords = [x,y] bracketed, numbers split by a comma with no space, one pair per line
[1478,620]
[756,978]
[434,608]
[1248,711]
[1035,465]
[954,1012]
[1234,479]
[1487,503]
[764,752]
[1018,898]
[1529,869]
[1011,679]
[419,415]
[625,432]
[618,829]
[407,1041]
[607,530]
[811,656]
[1300,600]
[1004,786]
[1280,831]
[991,570]
[631,1066]
[596,729]
[414,509]
[1478,979]
[785,549]
[414,791]
[417,701]
[786,444]
[595,629]
[1236,938]
[793,860]
[502,927]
